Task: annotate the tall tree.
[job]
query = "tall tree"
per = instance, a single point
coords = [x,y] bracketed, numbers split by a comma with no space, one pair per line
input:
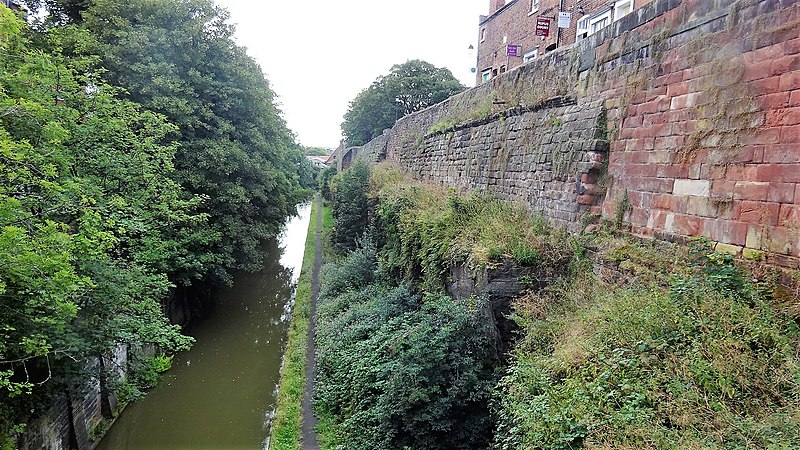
[409,87]
[90,219]
[179,58]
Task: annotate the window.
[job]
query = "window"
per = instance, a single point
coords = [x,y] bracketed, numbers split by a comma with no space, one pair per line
[583,28]
[598,23]
[486,75]
[534,7]
[531,55]
[589,25]
[622,8]
[483,34]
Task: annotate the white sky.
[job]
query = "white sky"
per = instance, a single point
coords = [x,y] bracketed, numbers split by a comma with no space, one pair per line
[319,54]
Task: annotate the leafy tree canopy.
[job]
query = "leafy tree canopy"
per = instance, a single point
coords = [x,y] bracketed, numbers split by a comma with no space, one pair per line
[90,220]
[140,148]
[316,151]
[409,87]
[178,58]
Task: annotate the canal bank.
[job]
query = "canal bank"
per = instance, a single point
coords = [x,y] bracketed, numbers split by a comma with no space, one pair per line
[294,425]
[221,393]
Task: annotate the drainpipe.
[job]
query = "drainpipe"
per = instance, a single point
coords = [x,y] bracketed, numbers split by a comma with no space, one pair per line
[558,29]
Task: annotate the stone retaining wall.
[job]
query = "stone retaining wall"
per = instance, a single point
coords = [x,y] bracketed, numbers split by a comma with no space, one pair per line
[681,119]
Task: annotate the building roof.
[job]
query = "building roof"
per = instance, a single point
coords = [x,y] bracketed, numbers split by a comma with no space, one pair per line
[332,157]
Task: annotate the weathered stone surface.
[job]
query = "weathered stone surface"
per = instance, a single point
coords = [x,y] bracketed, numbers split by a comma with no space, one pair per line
[501,284]
[672,104]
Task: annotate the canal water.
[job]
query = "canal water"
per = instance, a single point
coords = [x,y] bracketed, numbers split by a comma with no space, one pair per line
[221,393]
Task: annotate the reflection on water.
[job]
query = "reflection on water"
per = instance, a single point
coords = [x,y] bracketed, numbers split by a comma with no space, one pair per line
[220,394]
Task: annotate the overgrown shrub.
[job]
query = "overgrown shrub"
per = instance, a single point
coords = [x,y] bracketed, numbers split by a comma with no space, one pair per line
[349,190]
[709,362]
[424,230]
[323,181]
[395,375]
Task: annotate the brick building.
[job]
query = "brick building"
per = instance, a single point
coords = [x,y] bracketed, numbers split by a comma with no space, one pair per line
[514,23]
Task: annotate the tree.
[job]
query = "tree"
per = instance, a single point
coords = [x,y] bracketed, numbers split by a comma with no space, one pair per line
[408,88]
[90,221]
[178,58]
[350,217]
[316,151]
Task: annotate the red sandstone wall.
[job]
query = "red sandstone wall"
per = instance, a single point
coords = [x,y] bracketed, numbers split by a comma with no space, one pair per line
[701,100]
[706,133]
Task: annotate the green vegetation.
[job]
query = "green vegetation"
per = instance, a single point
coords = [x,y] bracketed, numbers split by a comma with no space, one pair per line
[442,126]
[285,432]
[693,355]
[324,182]
[316,151]
[409,87]
[665,347]
[233,149]
[429,229]
[395,370]
[400,364]
[140,152]
[349,191]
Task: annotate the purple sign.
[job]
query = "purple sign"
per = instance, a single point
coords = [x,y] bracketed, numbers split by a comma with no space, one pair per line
[512,50]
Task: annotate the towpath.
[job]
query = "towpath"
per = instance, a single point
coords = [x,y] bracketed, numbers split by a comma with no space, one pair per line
[309,435]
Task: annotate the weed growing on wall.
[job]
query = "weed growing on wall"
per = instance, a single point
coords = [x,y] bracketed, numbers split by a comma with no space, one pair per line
[429,229]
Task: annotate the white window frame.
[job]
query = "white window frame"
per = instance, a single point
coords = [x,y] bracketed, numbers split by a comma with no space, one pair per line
[619,5]
[530,55]
[602,17]
[483,34]
[582,28]
[534,7]
[486,75]
[590,24]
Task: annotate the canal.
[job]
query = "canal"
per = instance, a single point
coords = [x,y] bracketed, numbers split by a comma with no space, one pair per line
[221,393]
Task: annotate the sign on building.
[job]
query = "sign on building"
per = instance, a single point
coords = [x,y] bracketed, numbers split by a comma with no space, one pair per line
[513,50]
[542,26]
[564,19]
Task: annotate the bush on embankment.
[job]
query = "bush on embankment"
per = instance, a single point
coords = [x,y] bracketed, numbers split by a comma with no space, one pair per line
[688,354]
[397,368]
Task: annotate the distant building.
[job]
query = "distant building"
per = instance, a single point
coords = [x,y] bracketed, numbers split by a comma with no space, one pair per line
[333,158]
[318,161]
[514,23]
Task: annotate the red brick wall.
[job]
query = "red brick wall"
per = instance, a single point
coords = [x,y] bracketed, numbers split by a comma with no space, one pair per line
[705,133]
[518,25]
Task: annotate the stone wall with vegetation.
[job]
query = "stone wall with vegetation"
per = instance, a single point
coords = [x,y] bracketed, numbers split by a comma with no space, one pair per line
[618,342]
[681,119]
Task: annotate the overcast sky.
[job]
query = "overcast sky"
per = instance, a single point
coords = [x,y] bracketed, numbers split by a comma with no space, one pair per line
[319,54]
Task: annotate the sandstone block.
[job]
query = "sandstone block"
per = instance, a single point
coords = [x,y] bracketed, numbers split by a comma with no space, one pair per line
[700,188]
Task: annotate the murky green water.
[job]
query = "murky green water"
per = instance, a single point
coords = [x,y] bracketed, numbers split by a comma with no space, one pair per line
[220,394]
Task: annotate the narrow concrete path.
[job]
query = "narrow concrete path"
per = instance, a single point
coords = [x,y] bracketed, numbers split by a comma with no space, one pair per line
[309,435]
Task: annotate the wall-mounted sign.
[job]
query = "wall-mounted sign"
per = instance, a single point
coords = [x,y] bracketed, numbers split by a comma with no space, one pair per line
[513,50]
[564,19]
[542,26]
